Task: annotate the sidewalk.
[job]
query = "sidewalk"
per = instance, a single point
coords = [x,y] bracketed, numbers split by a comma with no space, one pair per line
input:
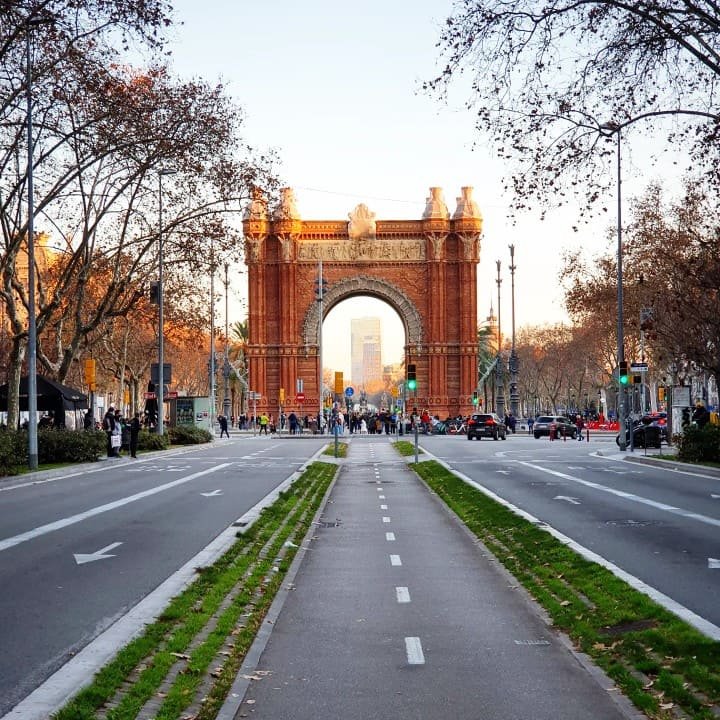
[396,612]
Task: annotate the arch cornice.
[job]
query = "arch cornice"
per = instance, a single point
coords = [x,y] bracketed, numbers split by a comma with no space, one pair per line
[365,285]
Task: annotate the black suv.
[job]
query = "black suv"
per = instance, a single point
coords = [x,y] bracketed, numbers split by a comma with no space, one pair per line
[486,425]
[563,426]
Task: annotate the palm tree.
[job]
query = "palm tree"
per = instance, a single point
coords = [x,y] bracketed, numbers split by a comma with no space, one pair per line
[237,342]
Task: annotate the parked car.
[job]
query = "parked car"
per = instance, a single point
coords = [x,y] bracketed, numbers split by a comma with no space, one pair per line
[563,426]
[480,425]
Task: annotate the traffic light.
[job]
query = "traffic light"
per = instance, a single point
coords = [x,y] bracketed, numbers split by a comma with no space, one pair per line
[282,395]
[90,376]
[320,288]
[338,383]
[155,293]
[475,397]
[637,379]
[661,394]
[623,372]
[411,378]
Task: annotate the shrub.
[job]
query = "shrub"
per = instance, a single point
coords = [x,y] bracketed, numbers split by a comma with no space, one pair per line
[188,435]
[54,446]
[699,444]
[152,441]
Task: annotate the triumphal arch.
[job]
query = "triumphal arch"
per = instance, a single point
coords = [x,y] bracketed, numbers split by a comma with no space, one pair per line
[425,269]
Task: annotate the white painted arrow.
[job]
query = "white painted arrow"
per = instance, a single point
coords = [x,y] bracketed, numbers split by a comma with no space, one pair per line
[81,558]
[214,493]
[572,500]
[713,564]
[714,497]
[504,472]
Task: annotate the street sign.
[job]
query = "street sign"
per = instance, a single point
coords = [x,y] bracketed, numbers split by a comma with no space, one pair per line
[150,396]
[299,386]
[252,395]
[300,397]
[639,367]
[349,392]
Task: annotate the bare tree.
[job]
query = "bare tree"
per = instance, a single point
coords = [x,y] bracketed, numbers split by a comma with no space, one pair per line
[546,76]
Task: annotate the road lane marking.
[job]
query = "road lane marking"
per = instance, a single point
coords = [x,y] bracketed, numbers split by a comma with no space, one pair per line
[7,543]
[414,651]
[713,564]
[386,519]
[395,560]
[102,554]
[628,496]
[381,497]
[390,537]
[700,623]
[403,594]
[567,498]
[383,507]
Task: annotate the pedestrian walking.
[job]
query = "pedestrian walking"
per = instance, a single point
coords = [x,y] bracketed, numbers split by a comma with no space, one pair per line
[223,425]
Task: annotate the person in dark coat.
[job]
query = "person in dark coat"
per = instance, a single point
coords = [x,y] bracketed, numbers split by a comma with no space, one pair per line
[223,425]
[134,434]
[108,425]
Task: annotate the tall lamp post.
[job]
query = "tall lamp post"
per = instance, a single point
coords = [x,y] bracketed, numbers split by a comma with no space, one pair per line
[160,390]
[500,398]
[610,129]
[226,364]
[513,355]
[211,363]
[32,327]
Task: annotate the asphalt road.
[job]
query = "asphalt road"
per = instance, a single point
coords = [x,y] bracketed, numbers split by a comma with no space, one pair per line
[78,551]
[659,525]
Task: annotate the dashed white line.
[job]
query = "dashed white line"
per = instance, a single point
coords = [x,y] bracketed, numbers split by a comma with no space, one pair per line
[381,497]
[390,537]
[395,560]
[414,651]
[383,507]
[386,519]
[403,594]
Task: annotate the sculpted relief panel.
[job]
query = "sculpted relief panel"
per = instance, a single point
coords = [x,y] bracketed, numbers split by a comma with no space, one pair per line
[407,250]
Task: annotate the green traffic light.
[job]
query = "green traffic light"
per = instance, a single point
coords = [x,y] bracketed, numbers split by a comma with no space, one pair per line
[624,379]
[412,384]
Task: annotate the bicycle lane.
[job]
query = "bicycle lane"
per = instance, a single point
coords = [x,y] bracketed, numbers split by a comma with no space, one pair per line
[395,610]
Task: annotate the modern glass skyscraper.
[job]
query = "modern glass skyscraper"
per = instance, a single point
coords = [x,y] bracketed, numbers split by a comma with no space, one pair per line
[365,351]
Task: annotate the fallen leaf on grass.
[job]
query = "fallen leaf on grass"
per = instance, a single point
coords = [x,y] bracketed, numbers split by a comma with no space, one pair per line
[667,706]
[564,603]
[182,656]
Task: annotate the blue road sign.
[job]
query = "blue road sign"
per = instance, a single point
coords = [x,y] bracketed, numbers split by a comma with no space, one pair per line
[349,392]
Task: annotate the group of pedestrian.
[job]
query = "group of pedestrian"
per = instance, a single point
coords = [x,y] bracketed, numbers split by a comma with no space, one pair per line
[114,424]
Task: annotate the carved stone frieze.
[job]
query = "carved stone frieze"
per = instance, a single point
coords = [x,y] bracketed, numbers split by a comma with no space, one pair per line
[411,250]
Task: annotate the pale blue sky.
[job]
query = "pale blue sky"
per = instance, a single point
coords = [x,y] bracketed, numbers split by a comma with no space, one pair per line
[335,88]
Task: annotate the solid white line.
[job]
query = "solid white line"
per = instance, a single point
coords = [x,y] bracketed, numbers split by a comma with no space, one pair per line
[383,507]
[386,519]
[403,594]
[700,623]
[73,519]
[395,560]
[413,648]
[390,537]
[627,496]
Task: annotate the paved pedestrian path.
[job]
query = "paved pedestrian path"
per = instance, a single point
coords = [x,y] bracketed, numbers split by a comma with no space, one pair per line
[396,612]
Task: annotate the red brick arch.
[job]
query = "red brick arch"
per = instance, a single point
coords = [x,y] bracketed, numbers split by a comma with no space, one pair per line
[426,270]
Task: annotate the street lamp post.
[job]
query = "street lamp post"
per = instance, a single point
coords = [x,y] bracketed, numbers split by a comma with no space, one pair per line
[211,364]
[226,364]
[160,390]
[500,397]
[320,353]
[513,355]
[32,327]
[609,129]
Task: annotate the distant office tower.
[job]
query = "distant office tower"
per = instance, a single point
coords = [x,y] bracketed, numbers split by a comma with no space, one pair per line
[365,355]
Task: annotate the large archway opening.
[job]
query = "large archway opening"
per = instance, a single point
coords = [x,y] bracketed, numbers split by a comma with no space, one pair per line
[364,338]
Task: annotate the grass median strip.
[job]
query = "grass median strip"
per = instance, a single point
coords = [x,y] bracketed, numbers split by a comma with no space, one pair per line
[184,663]
[665,666]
